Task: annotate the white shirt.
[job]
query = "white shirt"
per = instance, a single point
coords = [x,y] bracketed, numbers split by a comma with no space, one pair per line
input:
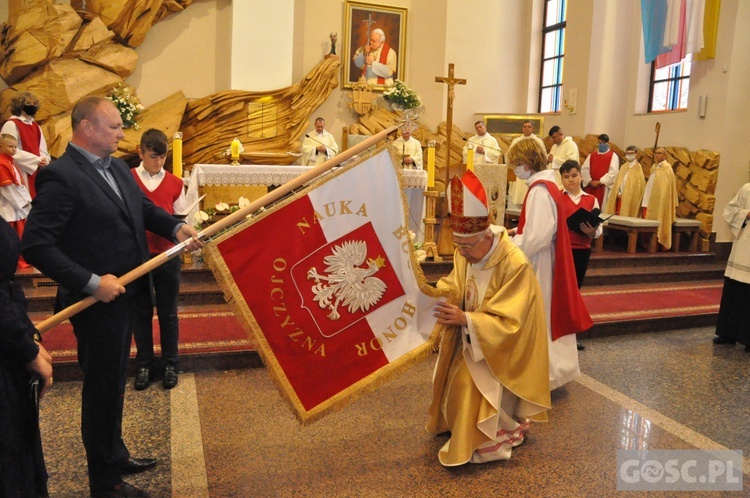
[152,182]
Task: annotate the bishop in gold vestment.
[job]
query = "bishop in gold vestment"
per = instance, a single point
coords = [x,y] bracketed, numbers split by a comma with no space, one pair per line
[492,374]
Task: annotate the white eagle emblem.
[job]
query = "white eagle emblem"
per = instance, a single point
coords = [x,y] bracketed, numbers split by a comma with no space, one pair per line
[347,283]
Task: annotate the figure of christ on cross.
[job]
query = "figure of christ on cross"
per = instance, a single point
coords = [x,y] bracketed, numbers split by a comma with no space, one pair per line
[445,244]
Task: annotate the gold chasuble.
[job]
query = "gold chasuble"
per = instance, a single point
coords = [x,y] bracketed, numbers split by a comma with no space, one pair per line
[632,183]
[662,201]
[492,376]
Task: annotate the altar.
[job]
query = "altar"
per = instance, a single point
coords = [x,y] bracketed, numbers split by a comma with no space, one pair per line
[227,183]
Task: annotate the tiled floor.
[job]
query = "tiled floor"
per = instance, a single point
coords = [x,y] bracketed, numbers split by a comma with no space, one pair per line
[230,434]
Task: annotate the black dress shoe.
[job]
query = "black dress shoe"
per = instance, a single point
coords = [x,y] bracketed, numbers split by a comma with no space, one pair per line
[723,340]
[170,377]
[135,465]
[142,379]
[121,490]
[580,347]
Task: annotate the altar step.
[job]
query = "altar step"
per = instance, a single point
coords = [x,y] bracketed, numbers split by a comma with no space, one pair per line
[617,276]
[616,268]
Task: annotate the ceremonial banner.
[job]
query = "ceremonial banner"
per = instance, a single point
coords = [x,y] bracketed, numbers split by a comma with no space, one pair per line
[327,282]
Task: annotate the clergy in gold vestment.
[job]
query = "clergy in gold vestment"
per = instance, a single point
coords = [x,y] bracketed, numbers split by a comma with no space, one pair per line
[627,191]
[492,376]
[660,197]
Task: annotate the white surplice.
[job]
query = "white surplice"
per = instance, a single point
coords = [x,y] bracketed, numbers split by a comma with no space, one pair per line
[538,243]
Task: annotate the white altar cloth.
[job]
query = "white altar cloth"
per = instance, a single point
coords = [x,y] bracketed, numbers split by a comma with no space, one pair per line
[415,182]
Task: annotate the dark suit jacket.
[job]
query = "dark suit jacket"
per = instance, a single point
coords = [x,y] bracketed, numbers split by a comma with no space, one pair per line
[79,226]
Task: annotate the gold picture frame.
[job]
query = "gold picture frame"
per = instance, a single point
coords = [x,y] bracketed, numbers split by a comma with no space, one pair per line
[510,124]
[392,20]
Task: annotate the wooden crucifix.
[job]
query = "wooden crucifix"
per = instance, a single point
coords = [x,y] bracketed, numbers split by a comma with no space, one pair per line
[451,81]
[445,243]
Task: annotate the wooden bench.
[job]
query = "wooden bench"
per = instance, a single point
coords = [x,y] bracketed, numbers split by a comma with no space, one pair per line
[633,227]
[686,225]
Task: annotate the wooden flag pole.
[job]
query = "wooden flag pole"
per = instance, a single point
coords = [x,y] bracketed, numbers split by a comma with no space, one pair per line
[217,227]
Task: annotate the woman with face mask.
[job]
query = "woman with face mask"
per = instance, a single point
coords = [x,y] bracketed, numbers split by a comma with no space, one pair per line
[627,191]
[543,236]
[32,151]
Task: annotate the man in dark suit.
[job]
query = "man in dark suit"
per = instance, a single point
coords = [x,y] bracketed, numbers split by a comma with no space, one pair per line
[87,226]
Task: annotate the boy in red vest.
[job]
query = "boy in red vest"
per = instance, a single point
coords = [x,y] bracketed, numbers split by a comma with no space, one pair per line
[166,191]
[573,199]
[15,201]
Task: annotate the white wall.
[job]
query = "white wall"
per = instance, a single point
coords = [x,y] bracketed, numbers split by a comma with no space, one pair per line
[188,51]
[495,45]
[490,56]
[262,37]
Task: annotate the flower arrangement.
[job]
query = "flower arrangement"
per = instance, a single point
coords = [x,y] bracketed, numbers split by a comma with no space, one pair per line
[202,217]
[402,96]
[128,105]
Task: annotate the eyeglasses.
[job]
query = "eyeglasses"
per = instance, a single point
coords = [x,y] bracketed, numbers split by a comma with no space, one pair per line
[468,247]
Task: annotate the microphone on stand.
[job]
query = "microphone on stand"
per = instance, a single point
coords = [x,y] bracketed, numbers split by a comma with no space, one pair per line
[307,135]
[328,149]
[485,146]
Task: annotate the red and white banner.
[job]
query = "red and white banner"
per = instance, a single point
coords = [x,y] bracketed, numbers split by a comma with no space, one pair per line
[326,282]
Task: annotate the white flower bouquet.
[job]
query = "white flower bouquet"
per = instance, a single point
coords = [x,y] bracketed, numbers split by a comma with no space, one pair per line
[402,96]
[128,105]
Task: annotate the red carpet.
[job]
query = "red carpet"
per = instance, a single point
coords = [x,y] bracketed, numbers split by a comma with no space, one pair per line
[652,301]
[199,333]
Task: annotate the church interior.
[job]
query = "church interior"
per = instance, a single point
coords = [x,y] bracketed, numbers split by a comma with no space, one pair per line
[243,83]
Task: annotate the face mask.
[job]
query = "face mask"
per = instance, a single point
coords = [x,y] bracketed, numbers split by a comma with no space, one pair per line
[630,157]
[30,109]
[603,148]
[521,173]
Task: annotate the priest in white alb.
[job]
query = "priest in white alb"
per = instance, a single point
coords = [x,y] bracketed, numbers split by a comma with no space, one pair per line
[491,378]
[486,149]
[319,146]
[408,149]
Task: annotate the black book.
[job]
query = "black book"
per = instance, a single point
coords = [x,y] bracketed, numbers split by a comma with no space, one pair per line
[583,216]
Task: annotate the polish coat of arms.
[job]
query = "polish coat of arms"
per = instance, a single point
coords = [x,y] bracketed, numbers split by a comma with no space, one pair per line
[347,282]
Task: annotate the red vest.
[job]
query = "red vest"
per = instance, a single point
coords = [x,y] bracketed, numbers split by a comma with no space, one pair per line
[569,313]
[31,137]
[164,196]
[578,241]
[599,164]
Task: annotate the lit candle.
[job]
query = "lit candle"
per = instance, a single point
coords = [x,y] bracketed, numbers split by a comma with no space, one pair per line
[430,164]
[470,159]
[235,149]
[177,154]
